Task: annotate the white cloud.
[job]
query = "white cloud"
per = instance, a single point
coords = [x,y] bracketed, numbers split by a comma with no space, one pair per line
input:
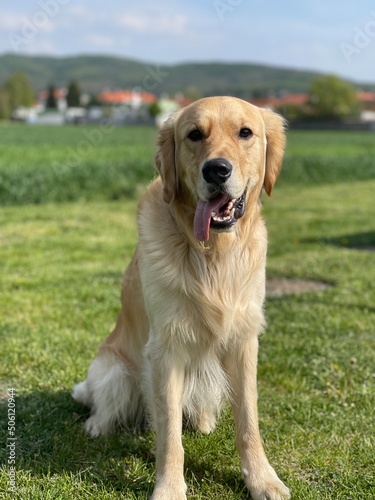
[36,46]
[155,24]
[10,22]
[101,40]
[83,14]
[78,10]
[24,25]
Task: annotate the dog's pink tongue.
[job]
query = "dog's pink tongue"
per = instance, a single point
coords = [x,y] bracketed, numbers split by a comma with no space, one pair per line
[203,214]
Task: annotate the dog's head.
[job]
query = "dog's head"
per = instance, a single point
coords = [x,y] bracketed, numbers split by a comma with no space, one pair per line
[214,153]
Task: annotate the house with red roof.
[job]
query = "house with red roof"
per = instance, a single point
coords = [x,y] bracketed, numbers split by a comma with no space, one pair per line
[299,101]
[58,93]
[133,98]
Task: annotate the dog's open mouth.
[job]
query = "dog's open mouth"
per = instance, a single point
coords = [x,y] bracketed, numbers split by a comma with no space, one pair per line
[219,213]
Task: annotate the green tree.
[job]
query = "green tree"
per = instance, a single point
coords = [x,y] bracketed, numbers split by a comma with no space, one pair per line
[192,93]
[73,97]
[292,111]
[4,105]
[94,101]
[331,97]
[154,109]
[19,91]
[51,102]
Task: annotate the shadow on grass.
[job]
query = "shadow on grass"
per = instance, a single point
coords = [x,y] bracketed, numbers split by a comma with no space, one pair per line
[358,241]
[200,470]
[51,441]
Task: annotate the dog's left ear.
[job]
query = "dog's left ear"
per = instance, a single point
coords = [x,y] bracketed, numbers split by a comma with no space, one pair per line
[275,135]
[165,159]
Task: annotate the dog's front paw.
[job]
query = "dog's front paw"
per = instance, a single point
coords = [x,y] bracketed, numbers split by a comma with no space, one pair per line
[265,485]
[166,491]
[92,426]
[96,427]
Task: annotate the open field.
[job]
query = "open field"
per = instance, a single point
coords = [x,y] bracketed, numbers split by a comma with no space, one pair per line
[67,233]
[51,164]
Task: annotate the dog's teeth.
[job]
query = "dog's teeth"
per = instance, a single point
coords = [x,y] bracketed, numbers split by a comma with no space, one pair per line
[219,218]
[225,213]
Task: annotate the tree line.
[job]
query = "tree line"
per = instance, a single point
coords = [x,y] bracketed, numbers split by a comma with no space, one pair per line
[329,97]
[17,92]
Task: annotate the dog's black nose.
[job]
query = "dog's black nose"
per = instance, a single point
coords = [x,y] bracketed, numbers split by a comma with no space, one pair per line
[217,171]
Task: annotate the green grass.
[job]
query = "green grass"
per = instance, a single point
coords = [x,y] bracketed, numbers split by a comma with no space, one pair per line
[61,268]
[51,164]
[322,157]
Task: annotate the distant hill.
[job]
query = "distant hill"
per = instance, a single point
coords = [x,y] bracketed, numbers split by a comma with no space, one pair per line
[95,73]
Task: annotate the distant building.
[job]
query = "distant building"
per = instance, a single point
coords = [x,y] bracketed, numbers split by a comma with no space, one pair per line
[272,102]
[128,107]
[131,98]
[368,103]
[367,100]
[167,107]
[59,95]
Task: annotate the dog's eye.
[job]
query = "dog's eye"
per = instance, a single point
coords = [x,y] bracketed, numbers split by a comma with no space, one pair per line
[195,135]
[245,133]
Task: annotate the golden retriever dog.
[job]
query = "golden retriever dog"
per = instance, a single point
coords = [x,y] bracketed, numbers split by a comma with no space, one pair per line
[186,338]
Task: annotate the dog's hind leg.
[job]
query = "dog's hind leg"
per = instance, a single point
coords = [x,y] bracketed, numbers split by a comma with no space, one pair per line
[112,388]
[112,393]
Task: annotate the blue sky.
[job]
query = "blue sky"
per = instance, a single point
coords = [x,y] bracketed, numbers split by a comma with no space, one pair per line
[324,35]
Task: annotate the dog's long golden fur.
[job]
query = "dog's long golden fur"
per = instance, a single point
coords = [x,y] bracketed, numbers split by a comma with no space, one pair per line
[192,297]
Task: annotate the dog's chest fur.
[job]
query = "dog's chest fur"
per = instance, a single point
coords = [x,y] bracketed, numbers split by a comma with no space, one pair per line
[196,295]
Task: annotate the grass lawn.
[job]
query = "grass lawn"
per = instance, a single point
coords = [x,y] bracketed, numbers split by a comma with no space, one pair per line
[62,258]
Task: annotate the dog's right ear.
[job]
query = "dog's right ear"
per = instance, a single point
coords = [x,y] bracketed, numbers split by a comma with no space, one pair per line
[275,135]
[165,159]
